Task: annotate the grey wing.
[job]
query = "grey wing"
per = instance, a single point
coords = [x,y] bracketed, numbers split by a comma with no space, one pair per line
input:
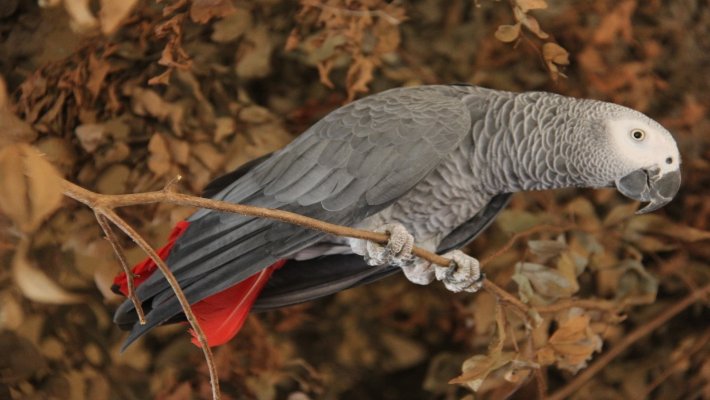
[301,281]
[354,162]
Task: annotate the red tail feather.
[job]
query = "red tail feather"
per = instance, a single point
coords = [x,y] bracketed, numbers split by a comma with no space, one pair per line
[221,315]
[145,268]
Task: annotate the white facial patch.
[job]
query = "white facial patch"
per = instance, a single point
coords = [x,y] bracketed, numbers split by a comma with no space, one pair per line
[641,143]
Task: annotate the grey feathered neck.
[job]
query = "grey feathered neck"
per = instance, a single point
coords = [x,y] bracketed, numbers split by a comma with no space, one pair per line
[536,141]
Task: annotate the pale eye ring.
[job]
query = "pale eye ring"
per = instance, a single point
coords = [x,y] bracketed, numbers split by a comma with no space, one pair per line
[638,134]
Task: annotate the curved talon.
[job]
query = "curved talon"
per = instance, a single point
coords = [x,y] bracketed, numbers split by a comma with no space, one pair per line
[462,274]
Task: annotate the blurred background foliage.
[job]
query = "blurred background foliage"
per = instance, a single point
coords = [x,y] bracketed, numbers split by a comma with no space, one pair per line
[122,96]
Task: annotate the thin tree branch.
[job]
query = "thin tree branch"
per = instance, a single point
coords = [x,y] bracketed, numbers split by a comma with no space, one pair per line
[120,254]
[629,340]
[175,286]
[103,206]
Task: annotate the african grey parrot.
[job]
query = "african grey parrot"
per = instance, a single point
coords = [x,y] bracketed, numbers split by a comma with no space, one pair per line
[430,165]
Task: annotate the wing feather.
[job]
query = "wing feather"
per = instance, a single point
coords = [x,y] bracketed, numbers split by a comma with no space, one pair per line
[353,163]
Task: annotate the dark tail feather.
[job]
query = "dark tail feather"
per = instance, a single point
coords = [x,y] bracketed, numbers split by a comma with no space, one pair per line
[145,268]
[221,315]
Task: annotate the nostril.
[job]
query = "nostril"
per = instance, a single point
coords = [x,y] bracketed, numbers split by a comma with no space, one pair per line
[669,160]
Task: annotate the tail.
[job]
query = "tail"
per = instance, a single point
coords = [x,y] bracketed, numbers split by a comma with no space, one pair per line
[221,315]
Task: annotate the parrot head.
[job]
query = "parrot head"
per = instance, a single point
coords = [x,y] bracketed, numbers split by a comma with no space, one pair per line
[650,159]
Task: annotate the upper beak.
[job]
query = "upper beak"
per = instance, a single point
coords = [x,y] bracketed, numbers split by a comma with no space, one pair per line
[649,185]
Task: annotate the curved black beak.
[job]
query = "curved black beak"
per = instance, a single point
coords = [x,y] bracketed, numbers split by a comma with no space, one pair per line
[649,185]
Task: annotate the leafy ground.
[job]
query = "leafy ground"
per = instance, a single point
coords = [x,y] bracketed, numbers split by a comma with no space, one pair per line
[122,96]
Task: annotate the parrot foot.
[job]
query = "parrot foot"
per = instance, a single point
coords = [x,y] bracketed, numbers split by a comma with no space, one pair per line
[462,274]
[398,250]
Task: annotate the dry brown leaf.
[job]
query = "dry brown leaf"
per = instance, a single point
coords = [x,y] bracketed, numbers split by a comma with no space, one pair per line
[113,180]
[553,52]
[3,94]
[254,54]
[539,284]
[91,136]
[477,368]
[159,161]
[202,11]
[547,249]
[533,26]
[527,5]
[232,27]
[634,285]
[82,19]
[11,314]
[12,128]
[224,128]
[30,187]
[359,76]
[35,284]
[113,12]
[179,149]
[574,342]
[255,114]
[616,23]
[208,155]
[98,70]
[508,33]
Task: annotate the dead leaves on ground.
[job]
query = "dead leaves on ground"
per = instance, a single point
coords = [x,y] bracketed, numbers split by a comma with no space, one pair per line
[358,34]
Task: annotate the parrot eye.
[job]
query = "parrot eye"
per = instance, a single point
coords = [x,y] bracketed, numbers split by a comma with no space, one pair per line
[638,134]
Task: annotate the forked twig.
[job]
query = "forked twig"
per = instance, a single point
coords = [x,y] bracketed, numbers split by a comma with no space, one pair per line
[120,254]
[103,206]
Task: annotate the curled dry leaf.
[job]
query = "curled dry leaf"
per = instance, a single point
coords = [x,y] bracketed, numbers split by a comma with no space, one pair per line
[82,19]
[539,284]
[12,128]
[231,27]
[527,5]
[91,136]
[554,55]
[572,344]
[547,249]
[508,33]
[113,12]
[202,11]
[477,368]
[254,54]
[34,283]
[30,187]
[159,161]
[533,26]
[553,52]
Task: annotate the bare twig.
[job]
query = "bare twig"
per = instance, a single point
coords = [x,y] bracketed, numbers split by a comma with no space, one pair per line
[629,340]
[120,254]
[103,206]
